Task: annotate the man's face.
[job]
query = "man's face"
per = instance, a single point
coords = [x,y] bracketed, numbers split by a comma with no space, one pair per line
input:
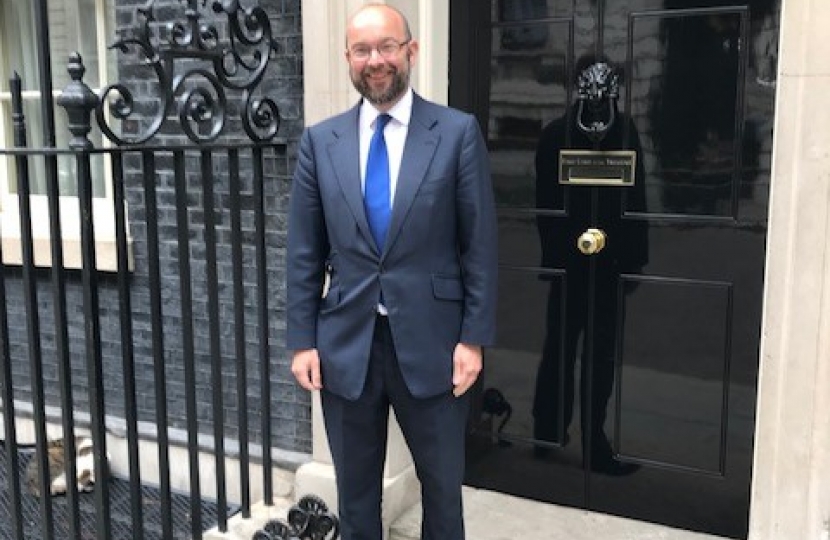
[380,56]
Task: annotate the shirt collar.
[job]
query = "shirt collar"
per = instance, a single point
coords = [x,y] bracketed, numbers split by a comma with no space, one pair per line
[400,112]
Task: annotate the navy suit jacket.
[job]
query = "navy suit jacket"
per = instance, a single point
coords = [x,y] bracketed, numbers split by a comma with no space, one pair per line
[437,270]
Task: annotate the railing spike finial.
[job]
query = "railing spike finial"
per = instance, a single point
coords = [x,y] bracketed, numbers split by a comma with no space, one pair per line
[79,101]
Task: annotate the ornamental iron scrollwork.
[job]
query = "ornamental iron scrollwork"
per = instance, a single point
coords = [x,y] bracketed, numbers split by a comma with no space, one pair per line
[194,70]
[597,94]
[309,519]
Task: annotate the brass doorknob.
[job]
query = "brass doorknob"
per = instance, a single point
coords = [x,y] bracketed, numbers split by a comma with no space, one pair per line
[591,241]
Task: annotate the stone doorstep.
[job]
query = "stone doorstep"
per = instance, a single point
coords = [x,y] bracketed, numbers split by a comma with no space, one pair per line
[495,516]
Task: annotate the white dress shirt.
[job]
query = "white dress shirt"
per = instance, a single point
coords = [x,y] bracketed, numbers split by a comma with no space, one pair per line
[394,134]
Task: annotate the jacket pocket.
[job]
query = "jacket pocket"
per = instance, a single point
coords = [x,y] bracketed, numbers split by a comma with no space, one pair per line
[447,287]
[331,299]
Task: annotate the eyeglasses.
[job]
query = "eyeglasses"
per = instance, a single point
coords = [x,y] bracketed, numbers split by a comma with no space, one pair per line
[388,49]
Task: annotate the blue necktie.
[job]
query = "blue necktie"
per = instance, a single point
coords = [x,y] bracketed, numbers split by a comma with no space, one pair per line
[376,195]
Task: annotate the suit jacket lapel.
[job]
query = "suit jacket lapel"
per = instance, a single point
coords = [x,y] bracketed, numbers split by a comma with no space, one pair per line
[419,149]
[344,152]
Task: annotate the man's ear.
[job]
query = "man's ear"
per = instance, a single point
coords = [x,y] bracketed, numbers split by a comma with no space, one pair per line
[412,52]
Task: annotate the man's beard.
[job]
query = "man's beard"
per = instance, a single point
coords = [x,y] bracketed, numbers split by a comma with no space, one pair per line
[399,84]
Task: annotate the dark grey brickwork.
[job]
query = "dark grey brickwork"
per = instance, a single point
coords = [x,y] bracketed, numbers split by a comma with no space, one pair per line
[291,418]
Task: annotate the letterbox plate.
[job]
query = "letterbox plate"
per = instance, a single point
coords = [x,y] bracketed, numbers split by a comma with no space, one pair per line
[597,168]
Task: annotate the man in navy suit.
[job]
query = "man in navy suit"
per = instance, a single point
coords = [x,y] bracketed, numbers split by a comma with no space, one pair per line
[405,311]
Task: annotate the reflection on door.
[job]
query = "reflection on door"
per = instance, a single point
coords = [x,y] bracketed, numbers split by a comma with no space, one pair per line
[625,371]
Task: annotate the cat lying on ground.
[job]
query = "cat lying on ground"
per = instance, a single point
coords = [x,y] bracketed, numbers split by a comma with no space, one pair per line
[84,464]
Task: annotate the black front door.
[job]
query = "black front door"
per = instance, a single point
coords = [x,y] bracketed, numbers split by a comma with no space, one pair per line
[624,378]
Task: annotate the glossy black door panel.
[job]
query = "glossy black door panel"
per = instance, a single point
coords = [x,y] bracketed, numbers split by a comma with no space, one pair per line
[696,158]
[528,67]
[672,364]
[519,237]
[624,379]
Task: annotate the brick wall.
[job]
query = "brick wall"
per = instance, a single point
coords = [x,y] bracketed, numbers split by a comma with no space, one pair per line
[291,424]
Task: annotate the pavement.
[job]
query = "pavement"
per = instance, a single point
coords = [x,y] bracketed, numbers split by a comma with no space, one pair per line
[494,516]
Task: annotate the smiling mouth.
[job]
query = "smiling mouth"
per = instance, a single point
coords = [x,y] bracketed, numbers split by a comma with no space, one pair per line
[378,76]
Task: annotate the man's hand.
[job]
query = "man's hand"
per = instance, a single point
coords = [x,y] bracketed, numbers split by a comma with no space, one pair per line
[466,361]
[306,369]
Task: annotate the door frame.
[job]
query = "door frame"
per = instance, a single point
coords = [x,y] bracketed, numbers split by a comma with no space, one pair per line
[791,472]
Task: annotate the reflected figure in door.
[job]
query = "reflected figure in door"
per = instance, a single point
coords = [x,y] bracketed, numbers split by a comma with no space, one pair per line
[568,312]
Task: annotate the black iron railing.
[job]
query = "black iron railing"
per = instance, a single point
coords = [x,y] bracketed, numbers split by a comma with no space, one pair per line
[196,244]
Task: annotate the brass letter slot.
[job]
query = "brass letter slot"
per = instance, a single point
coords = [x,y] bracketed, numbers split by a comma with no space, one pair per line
[597,168]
